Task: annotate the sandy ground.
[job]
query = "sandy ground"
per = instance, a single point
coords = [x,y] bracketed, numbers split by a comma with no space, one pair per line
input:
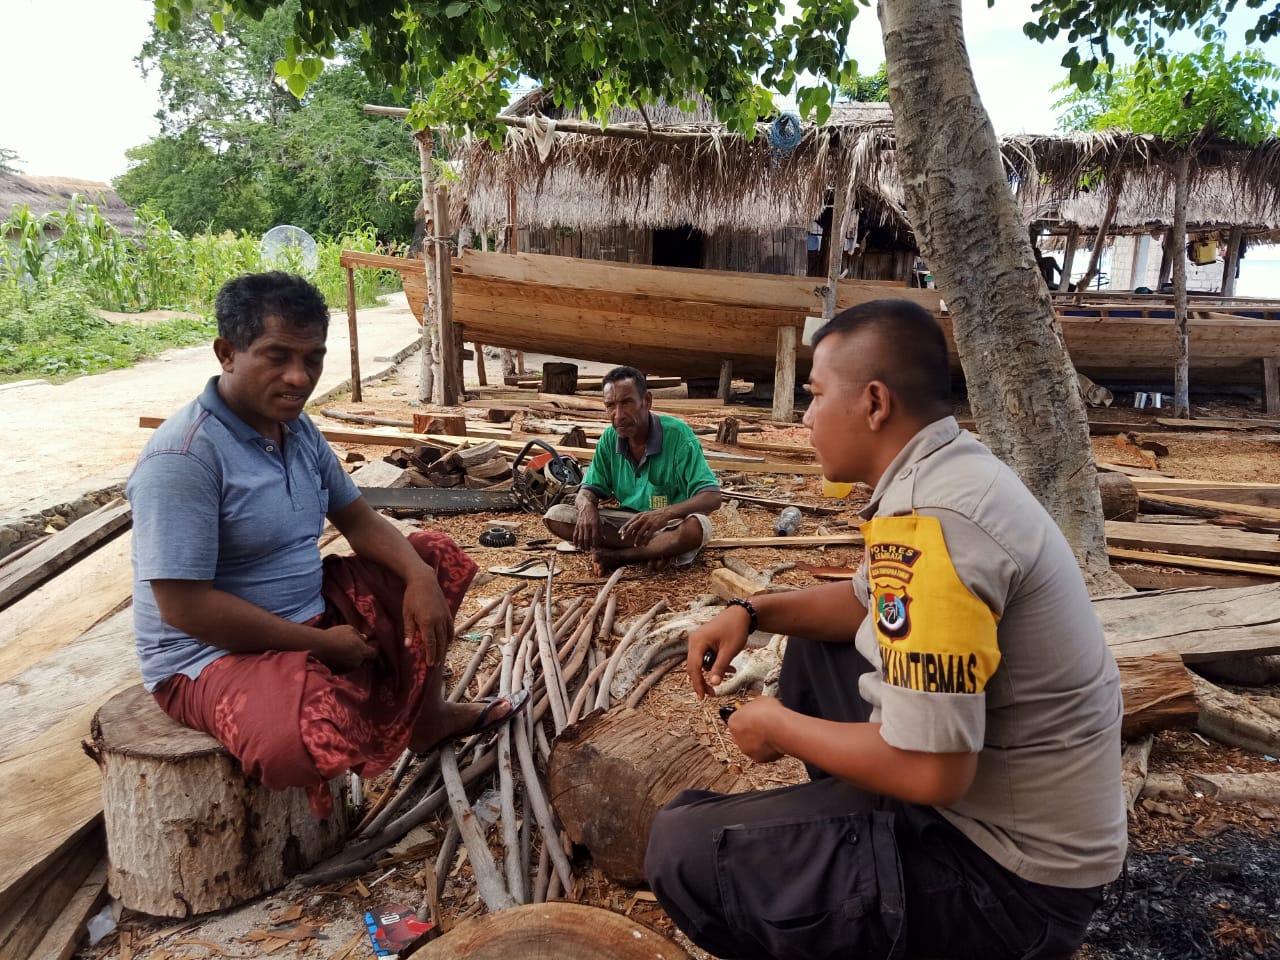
[60,441]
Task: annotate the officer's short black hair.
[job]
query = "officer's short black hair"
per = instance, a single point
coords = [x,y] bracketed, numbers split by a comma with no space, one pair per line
[244,303]
[626,373]
[912,359]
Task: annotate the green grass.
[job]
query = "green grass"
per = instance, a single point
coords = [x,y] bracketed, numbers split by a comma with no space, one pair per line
[58,271]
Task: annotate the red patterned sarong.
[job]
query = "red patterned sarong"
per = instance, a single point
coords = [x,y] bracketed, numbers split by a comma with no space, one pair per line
[291,721]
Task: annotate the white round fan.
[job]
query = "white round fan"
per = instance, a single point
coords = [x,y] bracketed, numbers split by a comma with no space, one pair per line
[289,248]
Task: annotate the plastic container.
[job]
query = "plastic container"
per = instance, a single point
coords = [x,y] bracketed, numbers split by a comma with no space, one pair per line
[788,522]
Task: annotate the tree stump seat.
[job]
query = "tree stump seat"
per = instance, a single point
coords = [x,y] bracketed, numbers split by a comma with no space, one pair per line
[187,831]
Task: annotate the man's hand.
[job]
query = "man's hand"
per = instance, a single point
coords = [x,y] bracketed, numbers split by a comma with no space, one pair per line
[587,530]
[726,636]
[427,618]
[752,726]
[343,648]
[639,530]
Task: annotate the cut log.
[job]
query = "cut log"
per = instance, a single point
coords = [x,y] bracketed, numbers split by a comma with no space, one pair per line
[62,549]
[727,431]
[1119,496]
[1201,623]
[611,773]
[451,424]
[559,378]
[1158,695]
[188,832]
[551,931]
[1231,719]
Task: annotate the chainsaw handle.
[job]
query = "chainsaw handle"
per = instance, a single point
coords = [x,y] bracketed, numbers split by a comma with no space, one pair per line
[524,452]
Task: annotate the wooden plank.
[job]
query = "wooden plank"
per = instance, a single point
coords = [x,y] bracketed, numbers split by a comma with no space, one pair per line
[52,790]
[1200,623]
[68,927]
[62,609]
[1196,541]
[1196,507]
[1271,384]
[1145,578]
[1195,563]
[1258,496]
[829,540]
[446,502]
[62,549]
[37,908]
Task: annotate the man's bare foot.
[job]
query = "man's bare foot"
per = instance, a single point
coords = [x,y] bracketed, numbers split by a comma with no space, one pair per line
[450,721]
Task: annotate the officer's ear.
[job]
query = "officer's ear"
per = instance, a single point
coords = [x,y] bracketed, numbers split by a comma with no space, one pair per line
[880,403]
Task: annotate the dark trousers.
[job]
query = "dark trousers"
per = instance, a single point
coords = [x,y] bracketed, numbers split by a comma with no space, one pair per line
[824,869]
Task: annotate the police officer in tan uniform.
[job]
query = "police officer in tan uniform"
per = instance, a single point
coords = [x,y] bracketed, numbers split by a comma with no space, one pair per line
[957,707]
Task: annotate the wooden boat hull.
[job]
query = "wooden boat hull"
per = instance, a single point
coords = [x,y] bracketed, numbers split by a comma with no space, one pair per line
[686,322]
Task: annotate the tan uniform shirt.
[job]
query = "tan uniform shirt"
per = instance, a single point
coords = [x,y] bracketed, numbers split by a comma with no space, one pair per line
[984,640]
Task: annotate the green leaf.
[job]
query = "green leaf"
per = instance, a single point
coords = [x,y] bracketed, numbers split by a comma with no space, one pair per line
[297,84]
[216,18]
[456,9]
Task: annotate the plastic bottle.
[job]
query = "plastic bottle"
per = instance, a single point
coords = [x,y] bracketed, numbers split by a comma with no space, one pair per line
[788,522]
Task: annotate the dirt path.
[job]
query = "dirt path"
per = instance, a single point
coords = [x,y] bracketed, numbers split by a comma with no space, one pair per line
[61,441]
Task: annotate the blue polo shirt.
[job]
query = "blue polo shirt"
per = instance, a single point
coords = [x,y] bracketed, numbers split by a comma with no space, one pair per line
[672,469]
[215,500]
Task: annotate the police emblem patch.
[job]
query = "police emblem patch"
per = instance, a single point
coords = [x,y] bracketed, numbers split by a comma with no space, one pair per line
[893,614]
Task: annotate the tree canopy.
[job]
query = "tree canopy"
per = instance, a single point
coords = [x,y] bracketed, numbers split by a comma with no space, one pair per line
[1183,98]
[867,87]
[238,150]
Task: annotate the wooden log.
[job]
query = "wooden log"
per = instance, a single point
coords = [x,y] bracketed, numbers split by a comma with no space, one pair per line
[1231,719]
[560,378]
[187,830]
[450,424]
[1158,695]
[724,388]
[1271,384]
[1119,496]
[611,773]
[1133,770]
[551,931]
[1223,787]
[62,549]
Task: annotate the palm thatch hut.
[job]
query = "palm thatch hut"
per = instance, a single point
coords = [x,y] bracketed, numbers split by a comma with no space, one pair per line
[46,195]
[675,188]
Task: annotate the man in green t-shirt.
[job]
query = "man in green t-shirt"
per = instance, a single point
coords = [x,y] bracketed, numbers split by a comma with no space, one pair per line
[654,467]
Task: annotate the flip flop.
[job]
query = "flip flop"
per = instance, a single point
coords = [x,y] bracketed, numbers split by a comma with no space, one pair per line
[564,546]
[484,723]
[531,569]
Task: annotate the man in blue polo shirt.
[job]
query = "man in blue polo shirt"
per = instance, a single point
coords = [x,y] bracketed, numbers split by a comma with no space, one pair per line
[302,668]
[654,467]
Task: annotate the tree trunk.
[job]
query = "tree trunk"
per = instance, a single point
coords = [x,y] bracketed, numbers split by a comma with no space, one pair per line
[427,367]
[561,378]
[1068,257]
[1232,262]
[551,931]
[1025,399]
[1178,236]
[1166,260]
[611,773]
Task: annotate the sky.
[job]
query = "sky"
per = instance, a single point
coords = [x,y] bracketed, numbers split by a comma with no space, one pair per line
[86,102]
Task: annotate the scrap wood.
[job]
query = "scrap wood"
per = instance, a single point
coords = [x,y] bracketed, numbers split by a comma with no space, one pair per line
[1127,443]
[62,549]
[825,540]
[1133,769]
[1231,719]
[64,934]
[1195,563]
[778,503]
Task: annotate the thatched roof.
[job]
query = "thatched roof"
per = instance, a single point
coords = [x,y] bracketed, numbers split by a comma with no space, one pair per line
[44,195]
[703,176]
[711,179]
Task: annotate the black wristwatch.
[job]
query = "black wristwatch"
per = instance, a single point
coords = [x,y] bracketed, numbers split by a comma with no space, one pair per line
[749,607]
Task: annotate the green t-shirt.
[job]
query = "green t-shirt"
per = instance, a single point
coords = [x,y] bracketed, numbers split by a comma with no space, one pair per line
[672,470]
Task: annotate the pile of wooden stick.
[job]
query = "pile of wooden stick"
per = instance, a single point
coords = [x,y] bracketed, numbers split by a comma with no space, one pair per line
[555,651]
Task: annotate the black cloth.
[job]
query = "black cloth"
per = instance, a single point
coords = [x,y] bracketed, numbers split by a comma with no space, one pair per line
[824,869]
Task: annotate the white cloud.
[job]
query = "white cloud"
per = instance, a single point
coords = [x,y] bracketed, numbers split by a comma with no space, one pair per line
[74,99]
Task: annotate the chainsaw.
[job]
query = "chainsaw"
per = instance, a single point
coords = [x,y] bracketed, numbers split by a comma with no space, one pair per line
[543,479]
